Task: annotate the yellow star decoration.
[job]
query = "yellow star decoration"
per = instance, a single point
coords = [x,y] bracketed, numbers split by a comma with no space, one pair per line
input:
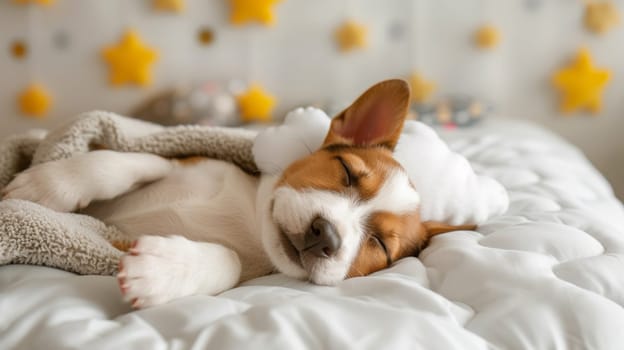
[40,2]
[255,104]
[169,5]
[487,37]
[130,60]
[581,84]
[244,11]
[351,35]
[35,101]
[600,17]
[421,88]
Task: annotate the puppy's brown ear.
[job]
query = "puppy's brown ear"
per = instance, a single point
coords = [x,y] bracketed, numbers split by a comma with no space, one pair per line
[435,228]
[374,119]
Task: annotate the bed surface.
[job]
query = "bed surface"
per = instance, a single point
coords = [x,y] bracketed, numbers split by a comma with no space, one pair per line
[548,274]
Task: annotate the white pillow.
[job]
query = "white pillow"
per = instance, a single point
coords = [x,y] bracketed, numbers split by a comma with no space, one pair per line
[450,190]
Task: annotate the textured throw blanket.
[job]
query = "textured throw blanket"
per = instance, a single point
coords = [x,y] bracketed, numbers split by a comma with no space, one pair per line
[32,234]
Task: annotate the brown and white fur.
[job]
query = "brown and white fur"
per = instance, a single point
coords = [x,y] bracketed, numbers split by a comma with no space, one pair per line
[202,226]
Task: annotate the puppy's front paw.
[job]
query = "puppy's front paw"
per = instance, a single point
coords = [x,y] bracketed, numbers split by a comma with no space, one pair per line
[52,185]
[157,270]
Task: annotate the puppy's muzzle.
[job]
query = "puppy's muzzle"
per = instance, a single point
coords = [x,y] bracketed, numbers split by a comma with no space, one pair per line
[322,239]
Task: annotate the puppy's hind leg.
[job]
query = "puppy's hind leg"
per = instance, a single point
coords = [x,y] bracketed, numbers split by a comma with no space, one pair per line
[70,184]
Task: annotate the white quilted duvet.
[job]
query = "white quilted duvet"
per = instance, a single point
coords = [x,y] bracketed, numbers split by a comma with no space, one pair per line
[549,274]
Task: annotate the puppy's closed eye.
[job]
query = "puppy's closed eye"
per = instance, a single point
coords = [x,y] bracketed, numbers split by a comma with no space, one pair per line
[354,169]
[380,242]
[350,178]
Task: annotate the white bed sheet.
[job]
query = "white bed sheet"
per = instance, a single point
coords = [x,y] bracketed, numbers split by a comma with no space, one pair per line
[549,274]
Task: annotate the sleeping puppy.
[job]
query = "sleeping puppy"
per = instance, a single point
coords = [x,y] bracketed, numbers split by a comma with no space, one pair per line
[201,226]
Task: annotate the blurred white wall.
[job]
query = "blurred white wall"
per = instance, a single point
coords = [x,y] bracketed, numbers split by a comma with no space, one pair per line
[298,61]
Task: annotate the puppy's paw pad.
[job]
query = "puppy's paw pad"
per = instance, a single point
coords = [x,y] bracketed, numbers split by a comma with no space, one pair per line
[154,271]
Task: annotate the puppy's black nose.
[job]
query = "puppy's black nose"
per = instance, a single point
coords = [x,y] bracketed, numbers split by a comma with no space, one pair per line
[322,238]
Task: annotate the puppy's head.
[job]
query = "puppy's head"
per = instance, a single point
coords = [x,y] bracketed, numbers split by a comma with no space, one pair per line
[349,209]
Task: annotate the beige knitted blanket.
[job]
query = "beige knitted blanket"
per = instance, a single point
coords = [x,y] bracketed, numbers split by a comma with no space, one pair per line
[32,234]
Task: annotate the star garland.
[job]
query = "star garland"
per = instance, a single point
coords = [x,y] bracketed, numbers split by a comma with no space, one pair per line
[245,11]
[130,60]
[351,35]
[169,5]
[38,2]
[255,104]
[487,37]
[35,101]
[581,84]
[601,16]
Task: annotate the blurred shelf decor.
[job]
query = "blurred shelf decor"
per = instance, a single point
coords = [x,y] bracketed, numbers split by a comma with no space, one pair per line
[451,112]
[209,103]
